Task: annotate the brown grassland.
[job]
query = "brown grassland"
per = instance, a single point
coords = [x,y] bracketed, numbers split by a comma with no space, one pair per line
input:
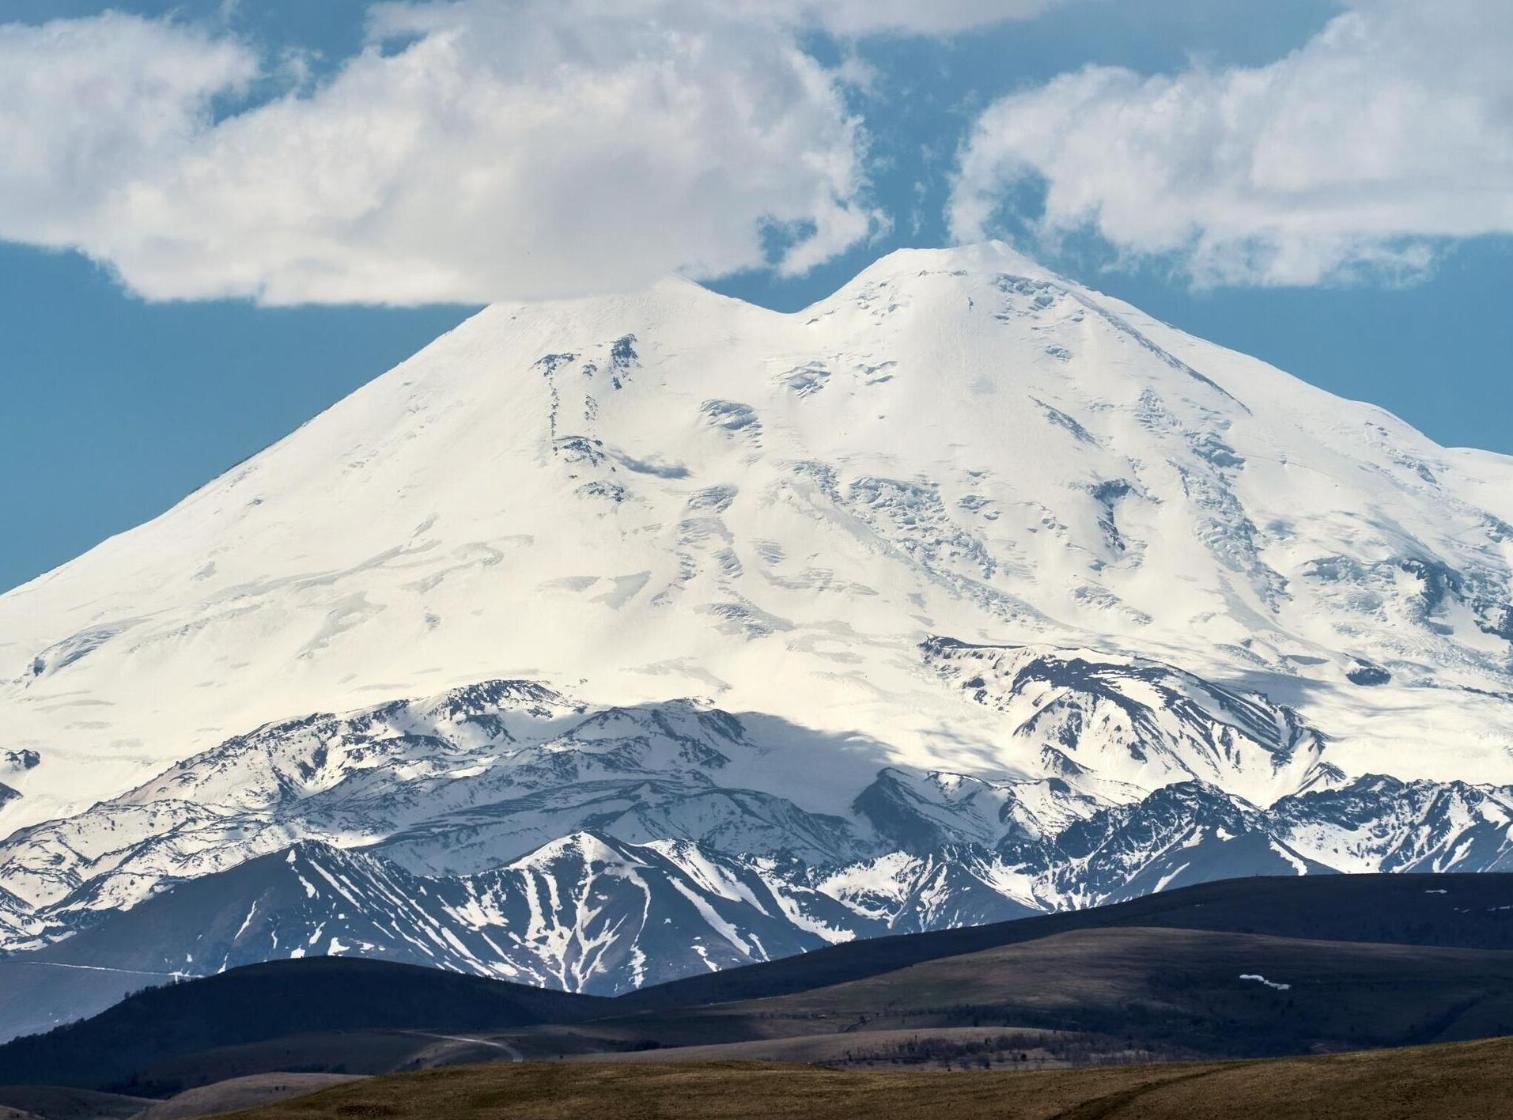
[1460,1081]
[239,1093]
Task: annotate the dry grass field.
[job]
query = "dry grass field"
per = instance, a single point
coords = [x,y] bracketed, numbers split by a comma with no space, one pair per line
[1461,1081]
[240,1093]
[52,1102]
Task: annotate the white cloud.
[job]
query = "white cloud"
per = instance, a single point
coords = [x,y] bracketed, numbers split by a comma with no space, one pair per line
[498,150]
[85,104]
[917,17]
[1390,130]
[477,150]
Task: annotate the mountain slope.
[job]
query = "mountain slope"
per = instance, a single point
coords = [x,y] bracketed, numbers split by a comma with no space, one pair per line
[273,1001]
[584,913]
[1459,911]
[672,493]
[1215,994]
[658,632]
[510,831]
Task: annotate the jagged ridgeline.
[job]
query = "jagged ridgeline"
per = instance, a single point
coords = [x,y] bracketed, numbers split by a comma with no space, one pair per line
[658,633]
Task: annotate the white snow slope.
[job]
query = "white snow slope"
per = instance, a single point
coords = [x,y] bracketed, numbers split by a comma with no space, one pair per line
[639,498]
[674,493]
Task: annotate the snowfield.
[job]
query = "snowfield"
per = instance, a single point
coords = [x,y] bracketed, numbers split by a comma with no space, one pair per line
[964,593]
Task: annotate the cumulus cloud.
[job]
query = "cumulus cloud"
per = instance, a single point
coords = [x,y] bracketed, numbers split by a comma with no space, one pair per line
[476,150]
[1357,154]
[87,104]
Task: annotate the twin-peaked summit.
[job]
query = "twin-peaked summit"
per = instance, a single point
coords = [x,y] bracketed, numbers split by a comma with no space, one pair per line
[670,493]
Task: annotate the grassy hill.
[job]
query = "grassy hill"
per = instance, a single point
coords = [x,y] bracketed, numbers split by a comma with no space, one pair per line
[271,1001]
[48,1102]
[1089,996]
[1457,911]
[1469,1081]
[1247,968]
[239,1093]
[1104,994]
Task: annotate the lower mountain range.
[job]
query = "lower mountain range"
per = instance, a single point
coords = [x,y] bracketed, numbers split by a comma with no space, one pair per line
[505,831]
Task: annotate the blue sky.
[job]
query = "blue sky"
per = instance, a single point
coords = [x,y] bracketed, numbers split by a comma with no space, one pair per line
[132,372]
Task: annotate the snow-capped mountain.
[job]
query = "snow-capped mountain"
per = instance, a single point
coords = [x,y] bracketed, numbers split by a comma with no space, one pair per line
[963,593]
[431,831]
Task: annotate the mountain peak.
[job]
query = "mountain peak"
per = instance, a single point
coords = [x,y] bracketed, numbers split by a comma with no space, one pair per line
[671,493]
[976,267]
[986,258]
